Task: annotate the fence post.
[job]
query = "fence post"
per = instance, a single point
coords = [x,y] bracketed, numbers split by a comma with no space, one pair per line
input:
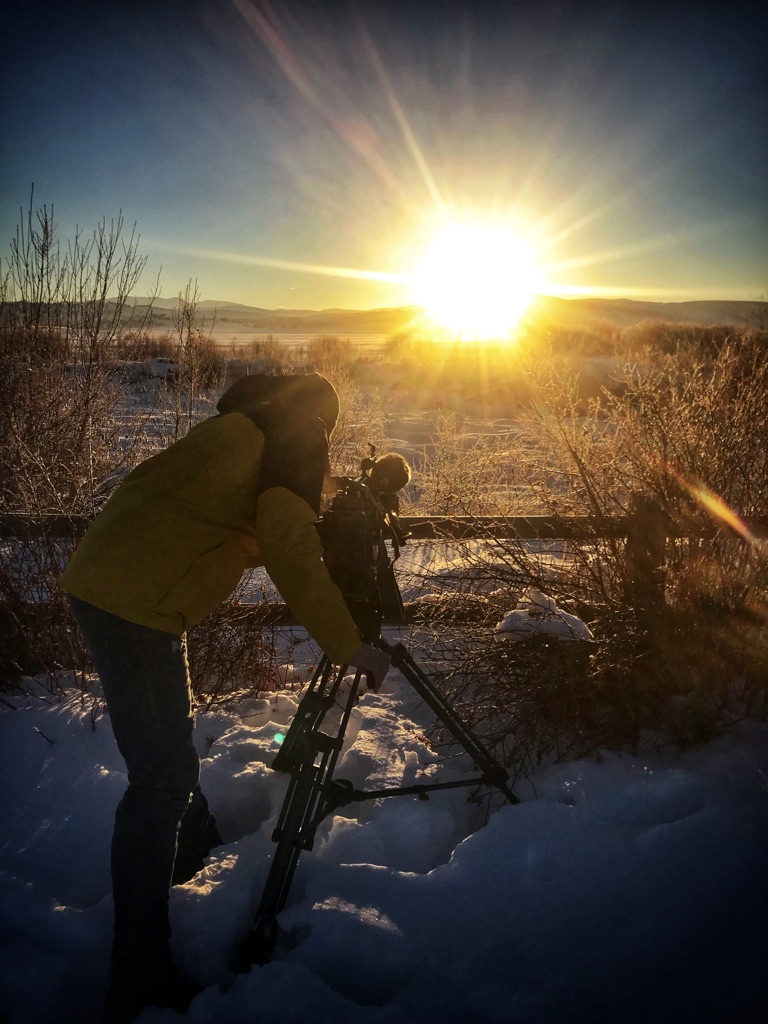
[644,571]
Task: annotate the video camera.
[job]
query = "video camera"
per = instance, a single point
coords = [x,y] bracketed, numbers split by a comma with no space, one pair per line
[361,517]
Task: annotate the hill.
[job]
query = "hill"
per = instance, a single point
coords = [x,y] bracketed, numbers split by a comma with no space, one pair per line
[627,312]
[233,316]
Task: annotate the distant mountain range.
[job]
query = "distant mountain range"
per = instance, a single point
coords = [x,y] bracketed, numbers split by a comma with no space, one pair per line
[619,313]
[627,312]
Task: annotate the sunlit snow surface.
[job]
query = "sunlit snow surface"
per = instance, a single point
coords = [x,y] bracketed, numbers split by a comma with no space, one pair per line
[631,889]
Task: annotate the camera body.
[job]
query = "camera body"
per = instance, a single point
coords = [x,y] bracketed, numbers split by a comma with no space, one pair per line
[361,517]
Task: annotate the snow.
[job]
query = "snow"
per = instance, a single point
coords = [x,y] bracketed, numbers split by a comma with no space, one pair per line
[537,614]
[625,889]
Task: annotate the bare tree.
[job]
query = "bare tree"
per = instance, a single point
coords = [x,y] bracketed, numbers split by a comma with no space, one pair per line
[64,427]
[200,368]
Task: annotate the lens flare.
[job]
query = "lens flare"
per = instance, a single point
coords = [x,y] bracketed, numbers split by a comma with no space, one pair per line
[714,504]
[718,508]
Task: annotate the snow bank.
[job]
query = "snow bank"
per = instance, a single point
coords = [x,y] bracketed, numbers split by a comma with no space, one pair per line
[632,890]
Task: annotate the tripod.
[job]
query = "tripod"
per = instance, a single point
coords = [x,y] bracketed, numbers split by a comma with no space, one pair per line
[310,754]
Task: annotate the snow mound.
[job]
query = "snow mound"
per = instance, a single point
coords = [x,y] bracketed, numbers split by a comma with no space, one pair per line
[537,614]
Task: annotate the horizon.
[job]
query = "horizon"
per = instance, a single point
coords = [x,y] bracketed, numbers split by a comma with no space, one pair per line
[146,299]
[307,157]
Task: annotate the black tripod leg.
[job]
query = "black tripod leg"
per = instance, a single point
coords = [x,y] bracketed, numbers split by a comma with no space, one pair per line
[319,697]
[423,685]
[301,797]
[309,798]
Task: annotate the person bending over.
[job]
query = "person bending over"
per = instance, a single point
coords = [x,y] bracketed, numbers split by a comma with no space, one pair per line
[241,489]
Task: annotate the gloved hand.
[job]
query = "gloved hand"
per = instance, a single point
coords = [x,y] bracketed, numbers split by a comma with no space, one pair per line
[373,662]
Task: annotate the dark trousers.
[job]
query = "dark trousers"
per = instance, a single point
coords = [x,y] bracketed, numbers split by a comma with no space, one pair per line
[145,680]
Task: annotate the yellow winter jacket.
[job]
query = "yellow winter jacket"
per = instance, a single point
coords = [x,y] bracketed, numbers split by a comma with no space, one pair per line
[176,536]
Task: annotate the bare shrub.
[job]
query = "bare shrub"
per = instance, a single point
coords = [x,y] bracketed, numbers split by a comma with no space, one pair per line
[328,351]
[360,423]
[699,421]
[39,636]
[663,338]
[231,652]
[461,472]
[63,311]
[79,293]
[140,345]
[689,432]
[529,701]
[598,338]
[199,369]
[261,349]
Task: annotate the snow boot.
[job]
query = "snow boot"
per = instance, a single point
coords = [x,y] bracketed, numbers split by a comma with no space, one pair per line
[198,835]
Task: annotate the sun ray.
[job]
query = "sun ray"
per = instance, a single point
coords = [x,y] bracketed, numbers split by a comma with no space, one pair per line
[322,269]
[347,129]
[404,124]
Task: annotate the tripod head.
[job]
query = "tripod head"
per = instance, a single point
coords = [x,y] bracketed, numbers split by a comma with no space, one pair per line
[361,517]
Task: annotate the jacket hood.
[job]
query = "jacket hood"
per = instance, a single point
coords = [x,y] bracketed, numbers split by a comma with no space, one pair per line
[310,392]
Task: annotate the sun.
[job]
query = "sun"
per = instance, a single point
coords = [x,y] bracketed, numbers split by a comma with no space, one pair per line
[476,279]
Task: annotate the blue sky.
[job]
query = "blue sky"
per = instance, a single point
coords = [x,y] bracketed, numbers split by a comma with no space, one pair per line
[300,154]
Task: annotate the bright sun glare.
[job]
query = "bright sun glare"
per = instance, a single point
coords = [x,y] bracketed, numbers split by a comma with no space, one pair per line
[476,280]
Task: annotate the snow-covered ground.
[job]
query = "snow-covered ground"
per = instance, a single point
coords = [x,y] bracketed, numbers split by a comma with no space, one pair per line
[625,890]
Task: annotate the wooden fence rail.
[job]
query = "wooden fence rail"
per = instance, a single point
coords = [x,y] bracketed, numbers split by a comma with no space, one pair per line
[563,527]
[646,531]
[450,527]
